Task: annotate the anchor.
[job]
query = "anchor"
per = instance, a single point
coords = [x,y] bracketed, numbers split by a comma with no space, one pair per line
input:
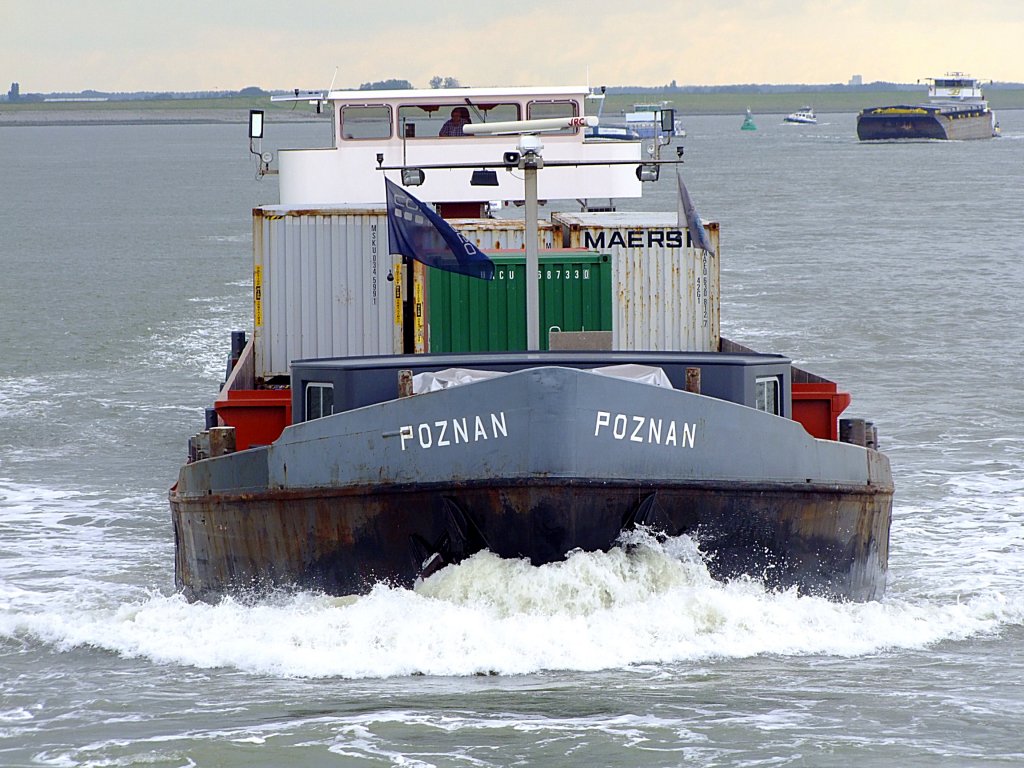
[462,538]
[649,514]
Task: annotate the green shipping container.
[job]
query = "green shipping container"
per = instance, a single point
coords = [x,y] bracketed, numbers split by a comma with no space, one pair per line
[471,315]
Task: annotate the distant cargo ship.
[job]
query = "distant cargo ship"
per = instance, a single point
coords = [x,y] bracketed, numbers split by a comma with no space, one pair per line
[956,109]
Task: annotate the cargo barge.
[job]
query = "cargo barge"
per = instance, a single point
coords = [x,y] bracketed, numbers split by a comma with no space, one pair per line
[956,110]
[385,419]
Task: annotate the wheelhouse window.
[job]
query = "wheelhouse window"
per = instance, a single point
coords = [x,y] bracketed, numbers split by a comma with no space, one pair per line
[539,110]
[365,122]
[428,121]
[319,400]
[768,399]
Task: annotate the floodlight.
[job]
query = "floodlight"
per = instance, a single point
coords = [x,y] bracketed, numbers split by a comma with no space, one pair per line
[412,177]
[668,121]
[255,123]
[484,178]
[647,172]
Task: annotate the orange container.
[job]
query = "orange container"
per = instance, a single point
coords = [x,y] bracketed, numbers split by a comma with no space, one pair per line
[259,416]
[817,406]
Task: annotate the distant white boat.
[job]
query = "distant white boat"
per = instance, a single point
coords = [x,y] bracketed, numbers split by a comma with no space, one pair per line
[617,132]
[645,121]
[804,115]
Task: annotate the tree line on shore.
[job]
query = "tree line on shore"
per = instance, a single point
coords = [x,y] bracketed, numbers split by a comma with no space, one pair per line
[15,94]
[687,99]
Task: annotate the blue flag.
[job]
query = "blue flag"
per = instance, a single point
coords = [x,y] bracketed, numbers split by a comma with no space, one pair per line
[417,231]
[688,213]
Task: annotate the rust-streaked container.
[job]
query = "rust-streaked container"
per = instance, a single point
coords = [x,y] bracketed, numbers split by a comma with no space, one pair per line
[506,234]
[666,293]
[320,286]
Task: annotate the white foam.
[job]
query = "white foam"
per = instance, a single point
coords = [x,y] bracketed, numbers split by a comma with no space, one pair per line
[18,714]
[242,237]
[25,398]
[67,552]
[965,542]
[647,603]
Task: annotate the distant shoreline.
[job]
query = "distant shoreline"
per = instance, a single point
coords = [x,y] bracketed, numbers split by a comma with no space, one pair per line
[60,115]
[235,111]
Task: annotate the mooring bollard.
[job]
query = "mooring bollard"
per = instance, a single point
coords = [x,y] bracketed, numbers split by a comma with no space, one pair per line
[405,383]
[693,380]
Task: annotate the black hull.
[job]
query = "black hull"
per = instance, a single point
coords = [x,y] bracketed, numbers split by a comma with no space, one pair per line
[826,541]
[899,123]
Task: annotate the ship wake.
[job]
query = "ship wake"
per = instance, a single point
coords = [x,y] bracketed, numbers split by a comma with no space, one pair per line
[649,601]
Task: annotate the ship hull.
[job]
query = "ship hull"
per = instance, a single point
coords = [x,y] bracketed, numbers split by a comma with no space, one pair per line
[828,541]
[895,123]
[533,465]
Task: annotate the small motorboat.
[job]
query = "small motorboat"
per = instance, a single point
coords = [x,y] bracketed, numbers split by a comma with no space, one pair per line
[804,115]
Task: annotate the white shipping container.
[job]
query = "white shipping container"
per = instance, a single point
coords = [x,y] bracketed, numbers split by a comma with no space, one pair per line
[667,295]
[320,284]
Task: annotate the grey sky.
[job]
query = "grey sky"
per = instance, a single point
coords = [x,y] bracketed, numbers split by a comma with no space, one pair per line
[124,45]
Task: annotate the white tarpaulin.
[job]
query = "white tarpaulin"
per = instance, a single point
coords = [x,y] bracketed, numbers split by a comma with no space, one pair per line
[645,374]
[432,381]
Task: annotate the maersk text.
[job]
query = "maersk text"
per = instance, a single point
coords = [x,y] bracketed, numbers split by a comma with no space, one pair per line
[635,238]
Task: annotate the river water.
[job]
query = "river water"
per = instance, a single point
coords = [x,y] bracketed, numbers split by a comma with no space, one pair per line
[895,269]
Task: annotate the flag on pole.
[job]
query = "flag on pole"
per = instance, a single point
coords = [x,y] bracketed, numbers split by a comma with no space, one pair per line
[417,231]
[688,216]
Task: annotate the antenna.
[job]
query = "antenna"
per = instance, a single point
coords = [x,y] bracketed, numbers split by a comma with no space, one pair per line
[476,111]
[529,160]
[540,125]
[332,81]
